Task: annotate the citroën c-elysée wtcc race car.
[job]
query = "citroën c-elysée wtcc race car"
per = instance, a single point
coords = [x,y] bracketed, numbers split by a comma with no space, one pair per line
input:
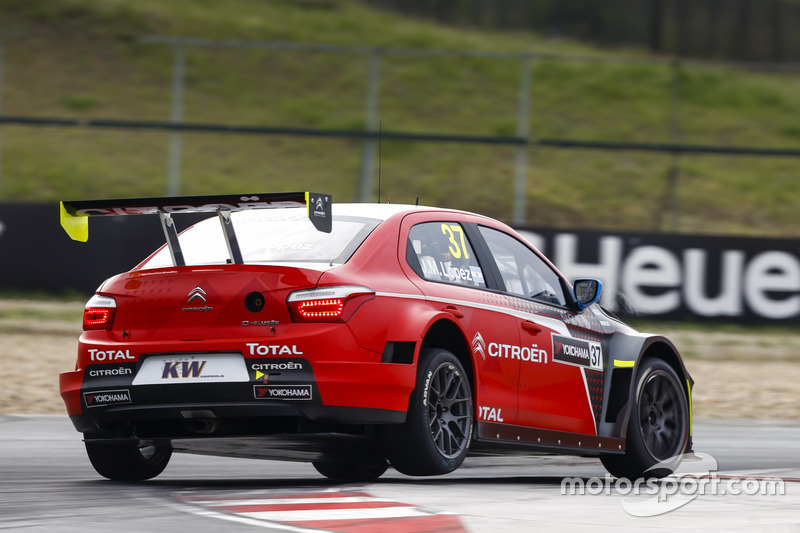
[358,336]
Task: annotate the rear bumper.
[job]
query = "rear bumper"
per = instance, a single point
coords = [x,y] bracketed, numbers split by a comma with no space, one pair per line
[168,421]
[328,392]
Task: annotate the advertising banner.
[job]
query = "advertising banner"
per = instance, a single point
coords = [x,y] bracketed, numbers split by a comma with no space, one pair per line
[682,276]
[652,275]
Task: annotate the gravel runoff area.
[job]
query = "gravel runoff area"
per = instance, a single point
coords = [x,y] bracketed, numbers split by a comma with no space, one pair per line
[737,374]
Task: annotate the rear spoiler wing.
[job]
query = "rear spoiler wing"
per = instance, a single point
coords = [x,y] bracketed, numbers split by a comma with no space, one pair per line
[75,215]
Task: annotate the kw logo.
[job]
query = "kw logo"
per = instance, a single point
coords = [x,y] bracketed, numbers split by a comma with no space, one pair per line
[196,294]
[479,345]
[182,369]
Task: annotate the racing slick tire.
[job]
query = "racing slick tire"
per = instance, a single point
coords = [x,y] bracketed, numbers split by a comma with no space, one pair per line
[438,429]
[658,426]
[368,469]
[128,461]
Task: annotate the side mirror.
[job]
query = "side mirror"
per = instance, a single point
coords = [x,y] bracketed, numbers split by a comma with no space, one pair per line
[587,292]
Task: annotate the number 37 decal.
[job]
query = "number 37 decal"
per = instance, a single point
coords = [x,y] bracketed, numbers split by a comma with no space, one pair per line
[458,246]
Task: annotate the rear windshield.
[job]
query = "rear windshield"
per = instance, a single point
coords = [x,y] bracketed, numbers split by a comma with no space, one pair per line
[270,236]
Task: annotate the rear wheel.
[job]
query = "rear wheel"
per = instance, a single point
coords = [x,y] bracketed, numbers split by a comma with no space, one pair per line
[658,428]
[438,429]
[368,469]
[128,461]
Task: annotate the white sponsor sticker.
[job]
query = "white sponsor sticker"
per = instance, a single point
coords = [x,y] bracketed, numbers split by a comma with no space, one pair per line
[578,352]
[192,368]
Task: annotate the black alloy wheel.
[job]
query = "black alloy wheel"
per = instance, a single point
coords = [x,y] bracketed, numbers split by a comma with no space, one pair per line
[658,426]
[661,415]
[449,410]
[438,429]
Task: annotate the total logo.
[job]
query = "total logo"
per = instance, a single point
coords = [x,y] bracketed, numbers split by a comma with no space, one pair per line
[490,414]
[272,349]
[111,355]
[531,354]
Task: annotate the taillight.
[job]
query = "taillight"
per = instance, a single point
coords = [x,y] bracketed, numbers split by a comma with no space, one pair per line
[328,304]
[99,312]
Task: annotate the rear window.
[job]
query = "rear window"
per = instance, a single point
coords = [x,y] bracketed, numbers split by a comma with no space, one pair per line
[270,236]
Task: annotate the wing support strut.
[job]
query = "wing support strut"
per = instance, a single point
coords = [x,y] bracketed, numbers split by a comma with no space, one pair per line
[230,236]
[171,234]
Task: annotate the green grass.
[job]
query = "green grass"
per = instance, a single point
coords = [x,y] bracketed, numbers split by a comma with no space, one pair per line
[39,312]
[39,315]
[10,297]
[117,78]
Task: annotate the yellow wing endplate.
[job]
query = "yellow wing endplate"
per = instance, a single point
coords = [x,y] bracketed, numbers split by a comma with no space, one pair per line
[77,227]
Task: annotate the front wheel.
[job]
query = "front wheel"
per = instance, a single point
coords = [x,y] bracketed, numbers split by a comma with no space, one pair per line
[128,461]
[658,427]
[438,429]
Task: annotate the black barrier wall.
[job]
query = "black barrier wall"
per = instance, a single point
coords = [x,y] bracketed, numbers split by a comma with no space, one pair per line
[37,255]
[652,275]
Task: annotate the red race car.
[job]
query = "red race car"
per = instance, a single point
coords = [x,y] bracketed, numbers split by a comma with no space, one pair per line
[356,336]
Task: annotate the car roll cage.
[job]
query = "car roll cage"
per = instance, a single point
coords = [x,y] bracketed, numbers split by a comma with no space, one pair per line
[75,214]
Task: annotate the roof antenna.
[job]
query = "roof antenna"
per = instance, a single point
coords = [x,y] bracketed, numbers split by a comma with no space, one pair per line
[380,137]
[417,202]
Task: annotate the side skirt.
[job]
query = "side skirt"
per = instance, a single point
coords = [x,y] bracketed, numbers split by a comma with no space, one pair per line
[490,435]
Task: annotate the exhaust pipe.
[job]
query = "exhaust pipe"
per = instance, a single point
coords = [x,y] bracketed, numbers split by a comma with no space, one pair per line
[200,421]
[204,426]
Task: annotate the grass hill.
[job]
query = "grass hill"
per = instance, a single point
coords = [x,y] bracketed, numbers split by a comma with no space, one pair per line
[96,70]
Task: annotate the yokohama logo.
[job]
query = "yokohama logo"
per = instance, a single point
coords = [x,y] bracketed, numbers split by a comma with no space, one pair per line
[106,397]
[577,352]
[283,392]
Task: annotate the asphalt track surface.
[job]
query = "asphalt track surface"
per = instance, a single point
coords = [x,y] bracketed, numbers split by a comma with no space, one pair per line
[47,484]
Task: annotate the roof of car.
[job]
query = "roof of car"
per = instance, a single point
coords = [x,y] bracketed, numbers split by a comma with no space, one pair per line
[384,211]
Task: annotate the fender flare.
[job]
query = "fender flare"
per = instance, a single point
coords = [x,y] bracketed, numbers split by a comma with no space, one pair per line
[626,353]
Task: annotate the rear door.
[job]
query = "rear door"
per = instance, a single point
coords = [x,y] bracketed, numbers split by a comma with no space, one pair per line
[444,265]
